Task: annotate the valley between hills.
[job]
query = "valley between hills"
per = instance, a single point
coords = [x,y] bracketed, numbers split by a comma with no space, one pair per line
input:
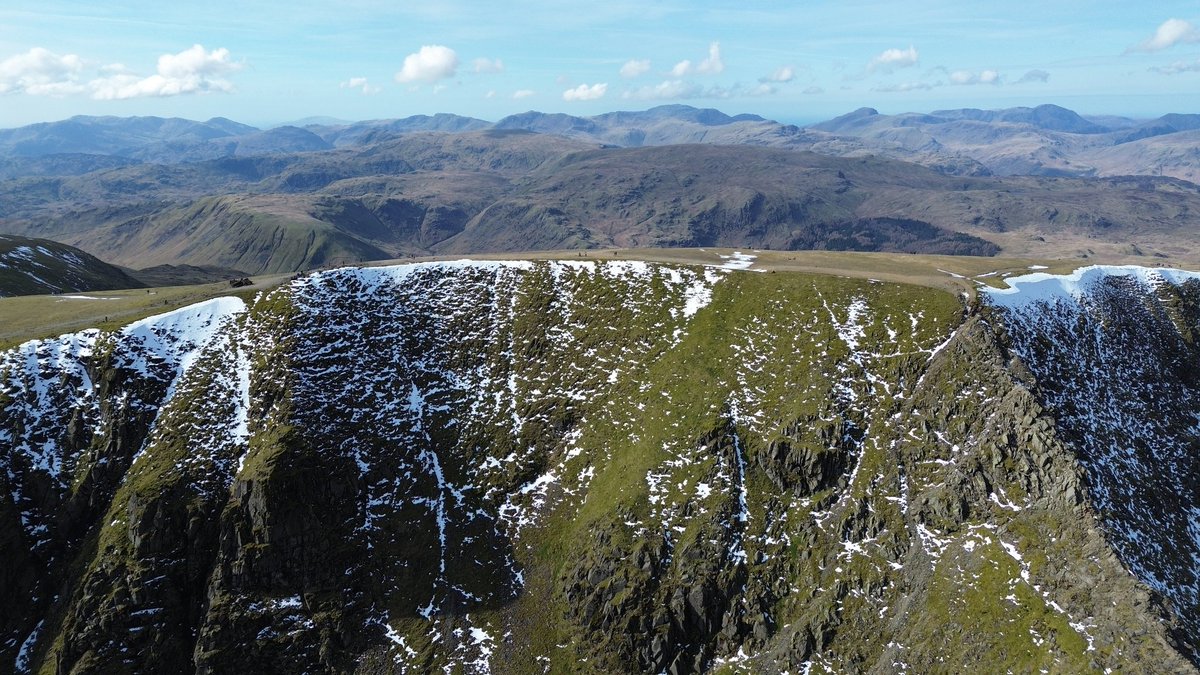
[661,391]
[198,201]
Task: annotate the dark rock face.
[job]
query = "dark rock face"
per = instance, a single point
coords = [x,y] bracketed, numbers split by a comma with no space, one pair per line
[1121,370]
[606,467]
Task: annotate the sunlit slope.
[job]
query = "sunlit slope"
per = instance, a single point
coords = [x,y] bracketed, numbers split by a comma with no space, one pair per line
[613,466]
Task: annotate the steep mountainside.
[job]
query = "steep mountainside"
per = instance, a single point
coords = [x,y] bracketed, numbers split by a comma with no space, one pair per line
[33,266]
[609,467]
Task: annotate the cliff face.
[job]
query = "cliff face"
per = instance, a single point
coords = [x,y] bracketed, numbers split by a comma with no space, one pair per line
[609,467]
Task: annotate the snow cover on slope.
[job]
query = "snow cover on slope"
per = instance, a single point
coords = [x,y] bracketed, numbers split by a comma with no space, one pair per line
[1113,350]
[461,414]
[1038,287]
[50,381]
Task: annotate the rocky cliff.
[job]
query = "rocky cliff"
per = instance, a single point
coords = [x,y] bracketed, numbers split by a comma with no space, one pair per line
[610,467]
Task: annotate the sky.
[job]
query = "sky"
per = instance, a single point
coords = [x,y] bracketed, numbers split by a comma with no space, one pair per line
[268,62]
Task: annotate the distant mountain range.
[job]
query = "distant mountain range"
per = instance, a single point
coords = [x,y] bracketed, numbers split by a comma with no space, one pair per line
[1023,181]
[1044,140]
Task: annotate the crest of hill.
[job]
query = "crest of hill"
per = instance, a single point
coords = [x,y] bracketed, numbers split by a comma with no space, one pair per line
[35,266]
[123,136]
[1044,140]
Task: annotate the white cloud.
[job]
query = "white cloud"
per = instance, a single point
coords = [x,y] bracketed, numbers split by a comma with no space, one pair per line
[1170,33]
[781,74]
[963,77]
[586,93]
[1179,67]
[361,84]
[491,94]
[891,59]
[713,65]
[485,65]
[1034,76]
[903,87]
[191,71]
[430,64]
[635,67]
[523,93]
[668,90]
[675,90]
[41,72]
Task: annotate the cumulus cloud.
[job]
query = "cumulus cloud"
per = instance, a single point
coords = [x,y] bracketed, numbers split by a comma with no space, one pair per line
[430,64]
[523,93]
[1034,76]
[191,71]
[41,72]
[488,66]
[585,92]
[892,59]
[781,74]
[963,77]
[635,67]
[361,84]
[713,65]
[1170,33]
[1178,67]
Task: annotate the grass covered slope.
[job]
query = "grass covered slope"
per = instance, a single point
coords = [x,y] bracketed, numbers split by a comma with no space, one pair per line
[522,466]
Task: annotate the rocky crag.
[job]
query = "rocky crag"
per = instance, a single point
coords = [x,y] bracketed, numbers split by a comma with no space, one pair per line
[611,467]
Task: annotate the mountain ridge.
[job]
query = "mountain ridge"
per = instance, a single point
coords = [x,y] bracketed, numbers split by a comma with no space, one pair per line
[610,445]
[934,139]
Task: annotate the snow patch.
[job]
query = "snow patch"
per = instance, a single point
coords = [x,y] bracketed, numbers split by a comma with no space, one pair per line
[1041,287]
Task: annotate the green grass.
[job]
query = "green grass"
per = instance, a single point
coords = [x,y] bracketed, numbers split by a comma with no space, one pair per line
[41,316]
[677,396]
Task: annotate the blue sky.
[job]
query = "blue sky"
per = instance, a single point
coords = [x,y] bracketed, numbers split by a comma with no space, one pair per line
[268,61]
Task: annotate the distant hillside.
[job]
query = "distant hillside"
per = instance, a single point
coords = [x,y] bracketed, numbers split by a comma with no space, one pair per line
[34,266]
[1045,140]
[294,198]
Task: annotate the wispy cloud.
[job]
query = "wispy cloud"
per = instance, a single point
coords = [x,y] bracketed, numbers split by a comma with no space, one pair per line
[781,74]
[1035,75]
[892,59]
[813,90]
[635,67]
[667,90]
[523,93]
[905,86]
[191,71]
[41,72]
[965,77]
[678,90]
[487,66]
[361,84]
[430,64]
[1178,67]
[585,92]
[1168,34]
[713,65]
